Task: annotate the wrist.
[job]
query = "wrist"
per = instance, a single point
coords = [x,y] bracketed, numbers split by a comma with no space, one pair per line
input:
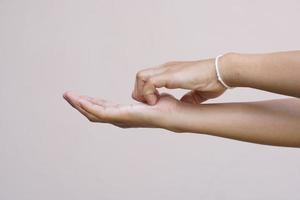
[230,70]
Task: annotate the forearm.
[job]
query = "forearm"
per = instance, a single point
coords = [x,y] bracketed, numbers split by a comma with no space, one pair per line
[273,122]
[275,72]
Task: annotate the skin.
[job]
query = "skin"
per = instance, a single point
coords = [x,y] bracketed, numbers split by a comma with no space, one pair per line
[272,122]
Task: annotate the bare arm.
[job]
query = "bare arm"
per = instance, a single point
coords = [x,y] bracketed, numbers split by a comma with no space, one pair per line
[273,122]
[275,72]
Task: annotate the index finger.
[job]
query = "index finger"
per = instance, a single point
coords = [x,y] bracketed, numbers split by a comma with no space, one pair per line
[141,78]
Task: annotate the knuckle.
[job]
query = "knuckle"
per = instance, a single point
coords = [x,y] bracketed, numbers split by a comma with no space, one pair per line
[140,74]
[151,81]
[170,85]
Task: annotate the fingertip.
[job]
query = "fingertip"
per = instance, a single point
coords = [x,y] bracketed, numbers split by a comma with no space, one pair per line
[137,98]
[152,99]
[68,98]
[65,94]
[133,96]
[70,94]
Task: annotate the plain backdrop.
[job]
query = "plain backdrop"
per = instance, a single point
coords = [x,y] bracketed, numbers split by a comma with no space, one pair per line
[50,151]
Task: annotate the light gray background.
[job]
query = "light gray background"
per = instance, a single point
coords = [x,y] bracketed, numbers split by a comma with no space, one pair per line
[49,151]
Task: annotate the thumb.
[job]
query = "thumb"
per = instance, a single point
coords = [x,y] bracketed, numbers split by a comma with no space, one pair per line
[193,97]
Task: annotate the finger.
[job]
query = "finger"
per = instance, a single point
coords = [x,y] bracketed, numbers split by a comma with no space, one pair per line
[105,114]
[75,104]
[72,99]
[103,103]
[141,78]
[99,101]
[91,107]
[193,97]
[149,92]
[134,94]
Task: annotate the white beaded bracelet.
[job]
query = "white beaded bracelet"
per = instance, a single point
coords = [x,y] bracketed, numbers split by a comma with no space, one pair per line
[218,72]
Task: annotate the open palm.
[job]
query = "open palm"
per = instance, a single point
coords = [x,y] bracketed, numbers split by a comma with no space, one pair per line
[125,116]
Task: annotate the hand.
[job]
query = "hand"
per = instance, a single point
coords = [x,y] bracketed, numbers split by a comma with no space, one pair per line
[198,76]
[160,115]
